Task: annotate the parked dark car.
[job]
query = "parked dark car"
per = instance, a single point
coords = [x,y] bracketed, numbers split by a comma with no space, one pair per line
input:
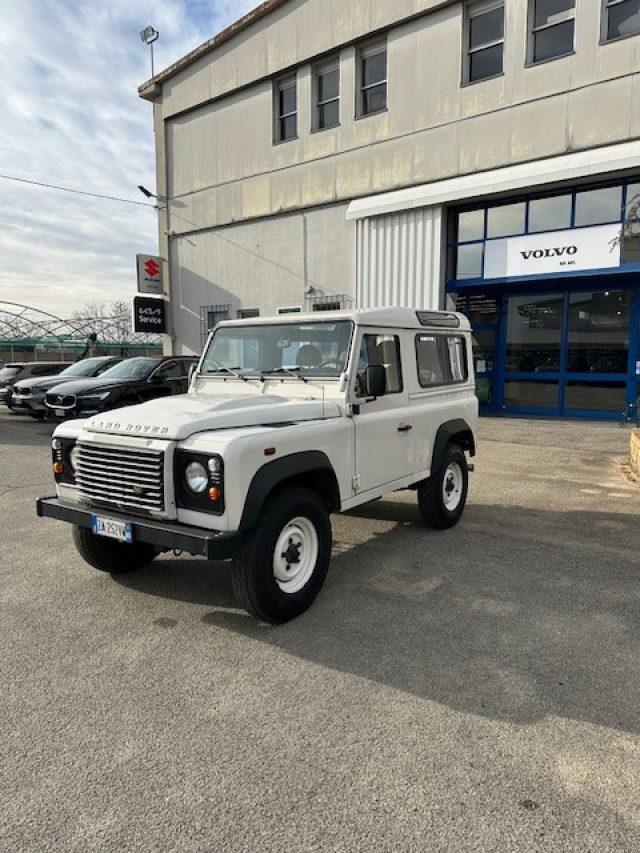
[29,394]
[132,381]
[16,371]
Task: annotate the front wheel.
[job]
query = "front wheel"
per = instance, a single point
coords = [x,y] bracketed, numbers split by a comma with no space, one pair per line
[442,498]
[106,555]
[282,564]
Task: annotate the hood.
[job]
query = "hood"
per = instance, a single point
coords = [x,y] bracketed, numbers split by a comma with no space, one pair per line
[42,383]
[78,387]
[180,416]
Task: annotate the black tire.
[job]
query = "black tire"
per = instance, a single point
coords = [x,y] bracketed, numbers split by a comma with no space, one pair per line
[37,416]
[254,583]
[431,503]
[116,558]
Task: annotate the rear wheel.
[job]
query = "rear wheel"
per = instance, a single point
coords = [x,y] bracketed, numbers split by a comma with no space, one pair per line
[106,555]
[442,498]
[282,564]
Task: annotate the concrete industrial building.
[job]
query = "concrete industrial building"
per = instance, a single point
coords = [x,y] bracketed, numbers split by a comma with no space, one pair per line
[327,153]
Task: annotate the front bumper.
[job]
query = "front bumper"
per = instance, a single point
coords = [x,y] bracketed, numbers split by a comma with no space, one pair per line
[28,404]
[163,534]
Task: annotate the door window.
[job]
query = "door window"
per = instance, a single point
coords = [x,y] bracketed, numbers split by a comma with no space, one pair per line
[599,325]
[380,349]
[170,370]
[531,393]
[595,396]
[534,333]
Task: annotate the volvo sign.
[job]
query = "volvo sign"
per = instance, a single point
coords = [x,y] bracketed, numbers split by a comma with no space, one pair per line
[554,252]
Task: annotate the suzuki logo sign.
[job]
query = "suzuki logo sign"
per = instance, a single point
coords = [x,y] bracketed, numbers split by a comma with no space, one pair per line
[553,253]
[152,268]
[149,315]
[150,274]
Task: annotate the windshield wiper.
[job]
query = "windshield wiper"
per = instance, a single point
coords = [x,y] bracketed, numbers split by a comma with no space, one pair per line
[288,371]
[231,371]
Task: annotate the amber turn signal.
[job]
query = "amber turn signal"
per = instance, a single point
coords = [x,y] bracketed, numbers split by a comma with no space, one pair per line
[214,493]
[58,468]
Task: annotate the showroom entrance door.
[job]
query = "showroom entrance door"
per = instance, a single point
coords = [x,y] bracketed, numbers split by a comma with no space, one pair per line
[570,352]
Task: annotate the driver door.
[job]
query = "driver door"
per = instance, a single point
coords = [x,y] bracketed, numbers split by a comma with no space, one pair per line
[383,427]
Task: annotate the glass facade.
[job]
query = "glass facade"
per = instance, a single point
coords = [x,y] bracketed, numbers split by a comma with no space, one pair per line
[557,344]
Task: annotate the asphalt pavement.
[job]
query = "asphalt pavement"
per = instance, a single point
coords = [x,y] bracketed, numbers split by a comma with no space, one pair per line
[473,690]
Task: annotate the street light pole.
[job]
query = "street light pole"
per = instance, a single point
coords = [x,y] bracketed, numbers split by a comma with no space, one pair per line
[149,35]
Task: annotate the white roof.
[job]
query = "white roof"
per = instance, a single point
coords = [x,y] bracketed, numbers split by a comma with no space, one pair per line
[400,318]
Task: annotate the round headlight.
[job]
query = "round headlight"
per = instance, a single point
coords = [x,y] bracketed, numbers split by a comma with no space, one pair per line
[214,465]
[73,457]
[196,477]
[56,444]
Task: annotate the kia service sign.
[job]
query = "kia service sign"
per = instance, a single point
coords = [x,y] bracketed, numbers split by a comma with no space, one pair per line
[150,274]
[149,315]
[553,252]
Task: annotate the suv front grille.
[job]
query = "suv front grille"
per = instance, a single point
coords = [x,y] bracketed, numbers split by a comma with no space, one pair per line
[62,401]
[122,477]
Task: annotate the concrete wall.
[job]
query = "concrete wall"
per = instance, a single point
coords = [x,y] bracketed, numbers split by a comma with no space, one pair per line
[268,264]
[223,166]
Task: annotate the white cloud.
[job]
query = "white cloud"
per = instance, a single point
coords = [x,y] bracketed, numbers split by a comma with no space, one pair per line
[71,115]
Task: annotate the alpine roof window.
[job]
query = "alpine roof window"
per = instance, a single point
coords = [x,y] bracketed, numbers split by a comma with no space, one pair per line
[373,78]
[327,95]
[620,19]
[484,53]
[551,29]
[286,106]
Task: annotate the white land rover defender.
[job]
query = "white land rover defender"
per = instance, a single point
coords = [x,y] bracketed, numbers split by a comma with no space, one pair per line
[287,420]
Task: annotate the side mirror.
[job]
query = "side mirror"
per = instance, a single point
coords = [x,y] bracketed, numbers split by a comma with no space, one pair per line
[375,381]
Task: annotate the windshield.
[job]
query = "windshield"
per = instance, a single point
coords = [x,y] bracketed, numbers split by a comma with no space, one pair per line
[301,349]
[131,368]
[86,367]
[8,372]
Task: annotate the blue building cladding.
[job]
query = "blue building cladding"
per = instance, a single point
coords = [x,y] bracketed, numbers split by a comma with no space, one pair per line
[551,284]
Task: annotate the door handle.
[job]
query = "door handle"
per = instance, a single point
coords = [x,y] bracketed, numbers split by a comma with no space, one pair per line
[405,428]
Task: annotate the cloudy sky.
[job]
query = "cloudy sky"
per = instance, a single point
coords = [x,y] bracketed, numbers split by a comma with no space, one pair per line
[71,116]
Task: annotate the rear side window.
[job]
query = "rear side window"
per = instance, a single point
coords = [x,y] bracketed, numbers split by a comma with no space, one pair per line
[45,369]
[441,360]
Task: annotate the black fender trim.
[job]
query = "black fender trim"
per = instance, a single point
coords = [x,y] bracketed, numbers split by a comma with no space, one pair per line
[279,471]
[458,429]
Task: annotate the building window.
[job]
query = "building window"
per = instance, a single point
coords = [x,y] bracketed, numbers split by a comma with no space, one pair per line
[373,79]
[286,109]
[328,302]
[551,29]
[484,41]
[291,310]
[327,96]
[247,313]
[472,233]
[620,19]
[597,207]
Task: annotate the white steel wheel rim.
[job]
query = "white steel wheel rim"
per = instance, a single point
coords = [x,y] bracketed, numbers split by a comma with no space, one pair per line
[295,555]
[452,486]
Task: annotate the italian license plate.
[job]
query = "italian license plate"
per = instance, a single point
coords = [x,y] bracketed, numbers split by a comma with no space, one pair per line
[112,529]
[59,413]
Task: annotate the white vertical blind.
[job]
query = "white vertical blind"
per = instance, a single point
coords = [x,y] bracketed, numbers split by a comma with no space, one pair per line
[399,260]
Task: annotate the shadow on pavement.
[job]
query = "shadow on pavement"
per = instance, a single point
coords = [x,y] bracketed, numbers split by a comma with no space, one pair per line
[515,614]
